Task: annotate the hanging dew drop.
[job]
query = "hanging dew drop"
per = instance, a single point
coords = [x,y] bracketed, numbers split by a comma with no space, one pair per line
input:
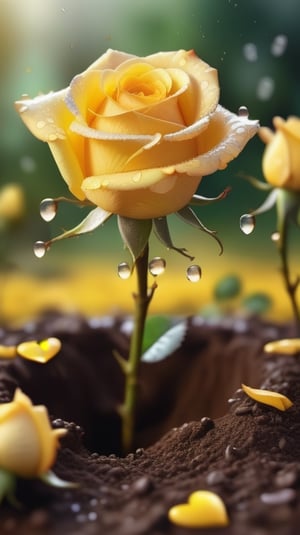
[243,112]
[157,266]
[48,209]
[247,223]
[40,248]
[124,270]
[193,273]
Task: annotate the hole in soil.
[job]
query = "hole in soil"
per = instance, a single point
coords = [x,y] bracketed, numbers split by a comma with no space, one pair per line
[84,384]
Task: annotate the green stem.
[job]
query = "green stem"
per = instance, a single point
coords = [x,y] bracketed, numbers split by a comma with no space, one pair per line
[290,286]
[142,299]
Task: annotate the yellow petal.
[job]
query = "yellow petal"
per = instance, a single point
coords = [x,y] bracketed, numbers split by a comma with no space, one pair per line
[268,397]
[141,194]
[39,351]
[204,509]
[48,118]
[289,346]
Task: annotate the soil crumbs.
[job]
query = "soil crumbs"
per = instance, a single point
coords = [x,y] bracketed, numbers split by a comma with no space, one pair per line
[250,456]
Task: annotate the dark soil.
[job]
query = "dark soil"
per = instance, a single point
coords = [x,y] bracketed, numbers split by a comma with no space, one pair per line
[195,430]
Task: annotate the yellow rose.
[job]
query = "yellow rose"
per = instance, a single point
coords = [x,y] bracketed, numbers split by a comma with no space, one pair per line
[28,444]
[135,135]
[281,159]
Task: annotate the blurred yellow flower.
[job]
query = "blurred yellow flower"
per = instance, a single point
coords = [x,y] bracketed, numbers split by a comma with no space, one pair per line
[12,203]
[281,159]
[135,135]
[28,444]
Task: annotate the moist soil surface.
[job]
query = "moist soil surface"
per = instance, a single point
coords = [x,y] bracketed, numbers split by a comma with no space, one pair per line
[196,430]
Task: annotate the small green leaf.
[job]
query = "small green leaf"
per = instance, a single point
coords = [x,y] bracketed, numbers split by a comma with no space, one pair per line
[228,287]
[7,487]
[92,221]
[155,327]
[166,344]
[135,234]
[257,303]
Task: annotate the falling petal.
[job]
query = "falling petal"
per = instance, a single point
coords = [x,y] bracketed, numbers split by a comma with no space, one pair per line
[268,397]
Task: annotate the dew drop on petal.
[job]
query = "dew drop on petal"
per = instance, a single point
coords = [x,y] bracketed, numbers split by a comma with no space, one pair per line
[157,266]
[247,223]
[124,270]
[48,209]
[40,248]
[193,273]
[243,112]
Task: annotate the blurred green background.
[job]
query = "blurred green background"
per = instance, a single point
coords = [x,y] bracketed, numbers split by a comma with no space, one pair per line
[255,45]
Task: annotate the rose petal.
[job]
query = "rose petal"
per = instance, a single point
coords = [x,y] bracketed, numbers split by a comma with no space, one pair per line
[48,118]
[141,194]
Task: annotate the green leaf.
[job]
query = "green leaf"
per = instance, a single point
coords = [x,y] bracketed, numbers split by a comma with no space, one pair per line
[161,229]
[8,487]
[92,221]
[166,344]
[155,326]
[257,303]
[135,234]
[228,287]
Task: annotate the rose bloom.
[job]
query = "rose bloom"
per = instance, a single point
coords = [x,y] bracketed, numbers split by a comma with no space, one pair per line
[281,159]
[135,135]
[28,444]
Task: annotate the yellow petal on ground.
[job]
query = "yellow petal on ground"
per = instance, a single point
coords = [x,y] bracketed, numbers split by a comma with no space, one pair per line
[39,351]
[8,352]
[204,509]
[268,397]
[288,346]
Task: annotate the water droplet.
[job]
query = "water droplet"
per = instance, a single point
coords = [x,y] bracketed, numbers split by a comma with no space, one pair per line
[52,137]
[40,124]
[157,266]
[48,209]
[40,248]
[137,177]
[247,223]
[275,236]
[193,273]
[124,270]
[243,112]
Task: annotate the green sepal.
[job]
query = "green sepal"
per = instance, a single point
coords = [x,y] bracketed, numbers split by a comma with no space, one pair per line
[50,478]
[188,215]
[93,220]
[199,200]
[8,487]
[258,184]
[268,203]
[135,234]
[161,229]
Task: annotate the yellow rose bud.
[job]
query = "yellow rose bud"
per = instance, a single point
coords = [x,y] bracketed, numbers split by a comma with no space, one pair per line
[11,202]
[135,135]
[28,444]
[281,159]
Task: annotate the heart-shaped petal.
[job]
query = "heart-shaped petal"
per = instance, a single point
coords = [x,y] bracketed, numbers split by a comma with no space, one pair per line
[204,509]
[39,351]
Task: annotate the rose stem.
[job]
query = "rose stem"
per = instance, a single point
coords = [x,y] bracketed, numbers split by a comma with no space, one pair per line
[142,299]
[291,287]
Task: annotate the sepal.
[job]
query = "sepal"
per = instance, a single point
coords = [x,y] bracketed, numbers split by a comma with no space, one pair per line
[135,234]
